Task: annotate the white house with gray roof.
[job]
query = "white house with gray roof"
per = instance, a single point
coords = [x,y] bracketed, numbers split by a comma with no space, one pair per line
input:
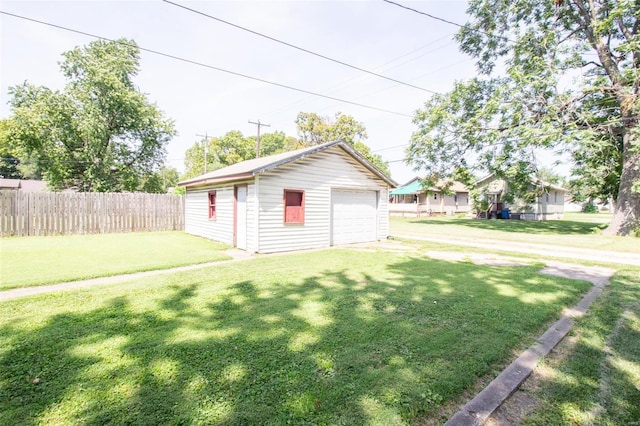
[548,204]
[314,197]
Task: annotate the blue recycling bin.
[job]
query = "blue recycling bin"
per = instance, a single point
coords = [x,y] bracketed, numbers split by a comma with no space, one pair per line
[504,214]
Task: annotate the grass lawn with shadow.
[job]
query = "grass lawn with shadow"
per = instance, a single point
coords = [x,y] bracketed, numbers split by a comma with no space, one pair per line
[33,261]
[330,337]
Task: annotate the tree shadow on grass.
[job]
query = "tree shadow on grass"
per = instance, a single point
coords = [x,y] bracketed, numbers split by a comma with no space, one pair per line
[555,227]
[335,347]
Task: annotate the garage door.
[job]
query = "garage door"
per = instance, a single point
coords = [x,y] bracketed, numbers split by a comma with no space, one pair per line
[354,216]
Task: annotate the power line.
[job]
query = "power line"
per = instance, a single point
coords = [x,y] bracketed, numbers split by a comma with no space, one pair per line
[390,147]
[345,82]
[189,61]
[302,49]
[437,18]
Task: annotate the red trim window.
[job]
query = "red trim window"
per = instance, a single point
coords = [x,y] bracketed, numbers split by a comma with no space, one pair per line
[212,204]
[293,206]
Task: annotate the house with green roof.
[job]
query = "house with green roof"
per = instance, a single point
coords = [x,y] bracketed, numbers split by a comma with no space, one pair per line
[415,199]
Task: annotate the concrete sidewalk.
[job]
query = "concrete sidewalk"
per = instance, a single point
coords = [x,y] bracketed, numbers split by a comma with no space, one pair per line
[236,255]
[537,249]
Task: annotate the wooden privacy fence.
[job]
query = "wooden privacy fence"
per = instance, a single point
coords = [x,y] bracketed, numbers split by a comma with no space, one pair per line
[64,213]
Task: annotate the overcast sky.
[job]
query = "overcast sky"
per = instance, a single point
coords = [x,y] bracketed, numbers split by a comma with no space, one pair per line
[372,35]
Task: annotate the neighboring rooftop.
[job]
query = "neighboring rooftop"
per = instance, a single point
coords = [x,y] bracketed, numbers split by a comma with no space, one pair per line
[415,186]
[25,185]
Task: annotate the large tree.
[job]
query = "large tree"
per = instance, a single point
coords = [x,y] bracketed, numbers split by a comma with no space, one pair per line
[314,130]
[100,133]
[570,82]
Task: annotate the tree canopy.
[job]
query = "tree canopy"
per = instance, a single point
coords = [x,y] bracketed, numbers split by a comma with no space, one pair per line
[314,130]
[100,133]
[232,148]
[570,84]
[15,163]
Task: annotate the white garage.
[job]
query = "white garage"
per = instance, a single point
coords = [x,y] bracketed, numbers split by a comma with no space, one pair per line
[320,196]
[354,216]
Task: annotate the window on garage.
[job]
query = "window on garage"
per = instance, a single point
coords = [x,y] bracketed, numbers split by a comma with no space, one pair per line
[212,204]
[293,206]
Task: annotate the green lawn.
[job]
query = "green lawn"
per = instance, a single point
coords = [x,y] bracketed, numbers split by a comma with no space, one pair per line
[578,230]
[597,381]
[32,261]
[330,337]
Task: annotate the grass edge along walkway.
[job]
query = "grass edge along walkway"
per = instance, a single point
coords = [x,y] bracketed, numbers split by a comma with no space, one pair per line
[16,293]
[477,411]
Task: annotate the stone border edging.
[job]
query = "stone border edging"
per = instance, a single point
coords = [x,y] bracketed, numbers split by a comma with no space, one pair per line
[479,409]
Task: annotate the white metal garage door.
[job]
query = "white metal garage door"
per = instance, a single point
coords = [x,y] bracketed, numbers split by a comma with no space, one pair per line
[354,216]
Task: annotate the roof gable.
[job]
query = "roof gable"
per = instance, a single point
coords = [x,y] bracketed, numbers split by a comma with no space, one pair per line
[250,168]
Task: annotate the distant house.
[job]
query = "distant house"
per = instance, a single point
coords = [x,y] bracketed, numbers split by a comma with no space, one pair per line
[573,206]
[415,199]
[496,192]
[309,198]
[24,185]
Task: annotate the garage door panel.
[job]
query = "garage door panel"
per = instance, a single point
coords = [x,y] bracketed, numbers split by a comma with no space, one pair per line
[354,216]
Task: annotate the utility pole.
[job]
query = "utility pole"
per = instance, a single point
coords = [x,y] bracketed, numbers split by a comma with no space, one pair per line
[206,148]
[259,124]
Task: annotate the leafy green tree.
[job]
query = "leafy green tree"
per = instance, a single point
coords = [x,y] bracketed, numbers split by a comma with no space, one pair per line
[232,148]
[374,159]
[275,143]
[161,181]
[14,162]
[100,133]
[598,161]
[314,130]
[548,175]
[9,161]
[539,102]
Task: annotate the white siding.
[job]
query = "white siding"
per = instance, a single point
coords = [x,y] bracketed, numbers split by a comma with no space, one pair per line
[196,210]
[251,218]
[551,205]
[316,175]
[383,211]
